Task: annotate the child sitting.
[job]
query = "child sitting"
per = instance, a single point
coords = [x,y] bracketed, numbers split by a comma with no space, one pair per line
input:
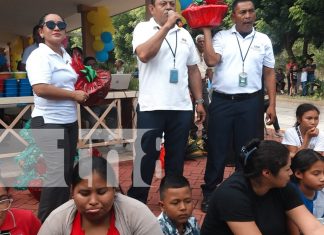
[176,205]
[308,175]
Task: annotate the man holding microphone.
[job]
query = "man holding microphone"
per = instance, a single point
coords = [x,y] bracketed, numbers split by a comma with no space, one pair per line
[167,62]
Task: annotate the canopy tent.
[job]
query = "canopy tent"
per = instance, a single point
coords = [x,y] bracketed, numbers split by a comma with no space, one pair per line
[18,17]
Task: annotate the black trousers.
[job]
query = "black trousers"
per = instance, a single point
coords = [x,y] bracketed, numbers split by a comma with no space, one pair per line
[231,121]
[150,126]
[58,143]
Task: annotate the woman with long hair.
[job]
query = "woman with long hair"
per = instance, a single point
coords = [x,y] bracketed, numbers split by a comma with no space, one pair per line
[305,133]
[97,207]
[259,199]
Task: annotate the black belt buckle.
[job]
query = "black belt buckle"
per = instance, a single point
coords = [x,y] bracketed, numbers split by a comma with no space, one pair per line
[240,96]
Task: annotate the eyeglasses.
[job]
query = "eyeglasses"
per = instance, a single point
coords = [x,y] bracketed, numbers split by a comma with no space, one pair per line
[51,25]
[5,204]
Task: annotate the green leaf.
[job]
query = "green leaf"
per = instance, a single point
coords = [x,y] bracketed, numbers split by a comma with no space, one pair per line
[89,73]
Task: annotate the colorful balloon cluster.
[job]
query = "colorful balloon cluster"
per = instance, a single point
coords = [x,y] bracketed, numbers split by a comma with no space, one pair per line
[102,30]
[179,9]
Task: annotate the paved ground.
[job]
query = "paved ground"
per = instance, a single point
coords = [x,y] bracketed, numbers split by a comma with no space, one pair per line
[194,170]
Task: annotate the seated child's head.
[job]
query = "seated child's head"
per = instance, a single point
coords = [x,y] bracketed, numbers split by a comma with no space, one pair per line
[308,169]
[175,198]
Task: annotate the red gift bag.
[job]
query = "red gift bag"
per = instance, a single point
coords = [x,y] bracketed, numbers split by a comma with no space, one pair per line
[95,82]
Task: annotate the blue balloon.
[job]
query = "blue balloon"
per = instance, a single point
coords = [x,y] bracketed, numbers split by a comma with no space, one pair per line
[185,3]
[102,56]
[106,37]
[109,46]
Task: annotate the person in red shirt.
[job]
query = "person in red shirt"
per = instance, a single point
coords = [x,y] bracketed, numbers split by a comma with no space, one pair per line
[15,221]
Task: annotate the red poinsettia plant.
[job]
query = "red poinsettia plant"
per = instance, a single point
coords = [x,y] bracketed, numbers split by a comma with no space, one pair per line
[205,13]
[95,82]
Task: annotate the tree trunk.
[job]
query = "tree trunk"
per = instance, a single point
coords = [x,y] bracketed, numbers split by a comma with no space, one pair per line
[289,42]
[305,46]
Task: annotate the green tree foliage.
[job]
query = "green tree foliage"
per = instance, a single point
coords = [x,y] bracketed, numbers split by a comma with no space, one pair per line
[75,38]
[286,21]
[124,25]
[308,15]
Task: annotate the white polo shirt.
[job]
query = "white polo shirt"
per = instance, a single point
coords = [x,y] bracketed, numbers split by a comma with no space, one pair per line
[46,66]
[226,76]
[155,90]
[291,138]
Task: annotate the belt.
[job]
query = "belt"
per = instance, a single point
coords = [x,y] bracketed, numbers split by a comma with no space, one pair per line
[239,96]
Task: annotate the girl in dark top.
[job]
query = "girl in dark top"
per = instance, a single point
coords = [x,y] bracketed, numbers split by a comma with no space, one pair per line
[259,199]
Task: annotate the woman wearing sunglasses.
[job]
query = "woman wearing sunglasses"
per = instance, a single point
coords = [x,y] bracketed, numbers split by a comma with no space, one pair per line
[54,118]
[259,199]
[15,221]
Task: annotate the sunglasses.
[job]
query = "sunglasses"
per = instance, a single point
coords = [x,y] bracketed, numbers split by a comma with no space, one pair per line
[51,25]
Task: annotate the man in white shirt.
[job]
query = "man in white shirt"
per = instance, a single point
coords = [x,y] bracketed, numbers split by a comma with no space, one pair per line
[241,57]
[167,62]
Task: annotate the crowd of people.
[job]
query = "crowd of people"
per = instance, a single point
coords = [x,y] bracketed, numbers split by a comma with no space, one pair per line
[277,187]
[299,77]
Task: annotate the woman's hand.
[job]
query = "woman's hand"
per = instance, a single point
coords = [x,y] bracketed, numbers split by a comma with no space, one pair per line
[312,132]
[80,96]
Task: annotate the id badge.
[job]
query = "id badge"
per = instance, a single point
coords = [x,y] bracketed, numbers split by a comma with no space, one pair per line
[173,76]
[243,79]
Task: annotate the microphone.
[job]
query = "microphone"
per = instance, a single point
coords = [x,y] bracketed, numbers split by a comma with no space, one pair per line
[179,23]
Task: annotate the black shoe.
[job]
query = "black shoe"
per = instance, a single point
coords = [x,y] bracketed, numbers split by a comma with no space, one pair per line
[205,204]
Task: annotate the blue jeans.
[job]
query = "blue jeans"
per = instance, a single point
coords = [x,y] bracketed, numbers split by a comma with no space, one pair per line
[304,87]
[176,126]
[310,81]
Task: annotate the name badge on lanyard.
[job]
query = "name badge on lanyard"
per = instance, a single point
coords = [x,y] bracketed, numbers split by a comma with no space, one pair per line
[174,73]
[243,76]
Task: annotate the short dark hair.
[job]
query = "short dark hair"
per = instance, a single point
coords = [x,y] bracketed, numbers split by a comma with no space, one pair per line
[303,160]
[79,49]
[89,165]
[265,154]
[172,181]
[303,108]
[235,2]
[88,58]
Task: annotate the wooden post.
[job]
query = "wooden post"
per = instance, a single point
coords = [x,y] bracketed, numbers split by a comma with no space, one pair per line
[87,38]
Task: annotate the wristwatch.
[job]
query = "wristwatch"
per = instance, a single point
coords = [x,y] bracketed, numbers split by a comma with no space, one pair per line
[199,101]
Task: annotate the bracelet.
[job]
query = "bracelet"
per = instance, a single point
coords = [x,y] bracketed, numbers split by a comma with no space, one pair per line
[199,101]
